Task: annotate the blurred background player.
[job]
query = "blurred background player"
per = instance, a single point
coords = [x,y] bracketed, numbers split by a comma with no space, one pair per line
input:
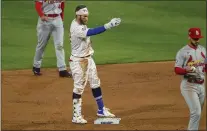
[50,22]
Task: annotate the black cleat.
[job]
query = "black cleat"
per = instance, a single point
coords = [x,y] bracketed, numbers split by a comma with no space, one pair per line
[65,73]
[36,71]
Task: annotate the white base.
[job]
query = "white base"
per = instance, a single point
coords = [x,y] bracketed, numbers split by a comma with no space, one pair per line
[107,121]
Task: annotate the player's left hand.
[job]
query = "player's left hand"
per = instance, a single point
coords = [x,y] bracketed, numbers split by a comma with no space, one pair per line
[44,18]
[113,23]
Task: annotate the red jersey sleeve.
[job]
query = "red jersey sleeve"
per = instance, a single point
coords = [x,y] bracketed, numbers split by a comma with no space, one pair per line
[38,7]
[180,71]
[62,6]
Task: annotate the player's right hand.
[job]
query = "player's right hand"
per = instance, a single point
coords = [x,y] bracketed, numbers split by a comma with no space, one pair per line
[190,69]
[44,18]
[113,23]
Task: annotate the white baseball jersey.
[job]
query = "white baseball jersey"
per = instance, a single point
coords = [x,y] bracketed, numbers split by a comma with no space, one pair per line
[80,42]
[188,56]
[51,6]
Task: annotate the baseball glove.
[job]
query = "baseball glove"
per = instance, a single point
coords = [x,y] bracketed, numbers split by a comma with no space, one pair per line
[193,78]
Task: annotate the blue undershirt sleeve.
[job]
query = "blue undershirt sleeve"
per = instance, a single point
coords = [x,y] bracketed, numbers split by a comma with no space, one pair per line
[95,31]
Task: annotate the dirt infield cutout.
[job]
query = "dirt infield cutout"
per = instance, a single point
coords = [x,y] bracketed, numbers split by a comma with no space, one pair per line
[145,96]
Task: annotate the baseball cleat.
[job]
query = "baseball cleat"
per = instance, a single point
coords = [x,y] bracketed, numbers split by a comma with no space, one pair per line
[105,113]
[65,73]
[79,120]
[36,71]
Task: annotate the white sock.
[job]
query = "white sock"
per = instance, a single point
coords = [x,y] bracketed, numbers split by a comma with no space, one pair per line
[77,104]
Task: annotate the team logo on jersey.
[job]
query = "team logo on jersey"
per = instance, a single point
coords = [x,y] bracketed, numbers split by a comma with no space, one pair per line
[196,63]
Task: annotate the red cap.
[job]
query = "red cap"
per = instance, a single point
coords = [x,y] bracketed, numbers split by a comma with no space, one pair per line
[195,33]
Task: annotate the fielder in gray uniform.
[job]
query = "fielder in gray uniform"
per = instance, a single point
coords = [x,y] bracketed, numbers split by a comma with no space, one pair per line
[190,63]
[50,22]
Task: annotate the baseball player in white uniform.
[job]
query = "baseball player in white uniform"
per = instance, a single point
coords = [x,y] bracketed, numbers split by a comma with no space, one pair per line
[191,64]
[82,65]
[50,22]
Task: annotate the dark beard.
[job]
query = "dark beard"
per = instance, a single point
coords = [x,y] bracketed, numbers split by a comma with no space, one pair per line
[195,44]
[81,21]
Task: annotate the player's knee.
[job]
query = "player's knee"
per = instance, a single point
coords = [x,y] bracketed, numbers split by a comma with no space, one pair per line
[78,87]
[59,46]
[196,114]
[40,47]
[78,91]
[95,83]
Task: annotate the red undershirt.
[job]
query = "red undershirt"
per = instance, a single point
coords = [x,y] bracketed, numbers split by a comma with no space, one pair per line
[38,7]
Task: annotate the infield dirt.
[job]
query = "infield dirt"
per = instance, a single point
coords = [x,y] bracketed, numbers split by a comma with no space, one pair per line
[145,96]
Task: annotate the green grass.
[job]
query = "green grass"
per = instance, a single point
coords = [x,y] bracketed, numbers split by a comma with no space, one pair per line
[150,31]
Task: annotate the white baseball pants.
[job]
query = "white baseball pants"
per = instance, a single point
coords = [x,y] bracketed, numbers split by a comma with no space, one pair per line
[83,71]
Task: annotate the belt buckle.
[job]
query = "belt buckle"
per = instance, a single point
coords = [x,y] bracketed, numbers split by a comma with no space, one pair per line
[54,15]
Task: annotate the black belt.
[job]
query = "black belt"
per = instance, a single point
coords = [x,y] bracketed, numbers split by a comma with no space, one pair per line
[83,56]
[52,15]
